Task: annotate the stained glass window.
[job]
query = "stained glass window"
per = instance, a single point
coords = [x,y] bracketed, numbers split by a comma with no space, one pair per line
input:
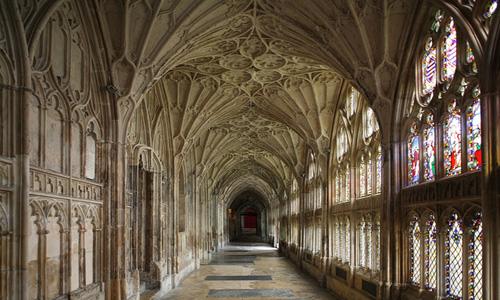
[379,170]
[369,243]
[452,141]
[347,240]
[342,143]
[351,102]
[362,243]
[430,254]
[453,257]
[415,251]
[370,122]
[347,188]
[413,156]
[449,51]
[490,9]
[429,150]
[337,188]
[341,241]
[429,69]
[362,178]
[476,259]
[437,21]
[474,158]
[377,246]
[470,57]
[412,104]
[369,176]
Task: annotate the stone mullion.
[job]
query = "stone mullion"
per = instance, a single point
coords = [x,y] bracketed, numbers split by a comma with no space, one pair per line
[97,255]
[440,259]
[64,261]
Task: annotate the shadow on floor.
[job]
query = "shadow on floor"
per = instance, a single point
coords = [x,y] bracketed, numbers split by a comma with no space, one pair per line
[249,239]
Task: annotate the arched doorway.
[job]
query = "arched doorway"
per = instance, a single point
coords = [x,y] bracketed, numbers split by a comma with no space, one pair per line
[249,222]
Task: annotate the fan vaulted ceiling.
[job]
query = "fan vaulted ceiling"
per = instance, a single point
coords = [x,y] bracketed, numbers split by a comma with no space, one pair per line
[247,88]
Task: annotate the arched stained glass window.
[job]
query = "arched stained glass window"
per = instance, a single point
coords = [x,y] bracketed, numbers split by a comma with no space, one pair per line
[379,170]
[351,102]
[369,176]
[370,122]
[469,56]
[452,141]
[415,251]
[476,258]
[453,257]
[338,190]
[429,79]
[449,51]
[430,254]
[490,9]
[438,19]
[342,143]
[413,156]
[429,150]
[474,158]
[362,178]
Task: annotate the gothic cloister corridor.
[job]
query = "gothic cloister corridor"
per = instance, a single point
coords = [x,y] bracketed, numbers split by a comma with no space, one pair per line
[142,140]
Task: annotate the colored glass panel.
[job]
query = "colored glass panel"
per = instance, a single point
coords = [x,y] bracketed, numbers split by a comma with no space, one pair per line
[369,176]
[490,9]
[370,127]
[347,240]
[377,246]
[476,259]
[414,157]
[437,21]
[369,243]
[362,178]
[474,158]
[415,251]
[429,79]
[338,189]
[449,51]
[412,104]
[469,54]
[429,150]
[453,257]
[362,243]
[351,102]
[379,170]
[347,196]
[430,254]
[452,142]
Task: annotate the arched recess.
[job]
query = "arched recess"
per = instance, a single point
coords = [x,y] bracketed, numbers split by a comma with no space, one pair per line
[248,203]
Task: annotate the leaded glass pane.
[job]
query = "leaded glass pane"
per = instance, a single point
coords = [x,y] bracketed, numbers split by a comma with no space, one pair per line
[370,126]
[474,158]
[351,102]
[377,246]
[413,156]
[369,243]
[437,21]
[348,240]
[429,79]
[347,184]
[379,170]
[452,142]
[429,150]
[476,259]
[453,257]
[415,251]
[412,104]
[362,243]
[369,176]
[338,239]
[430,254]
[337,189]
[490,9]
[362,178]
[449,51]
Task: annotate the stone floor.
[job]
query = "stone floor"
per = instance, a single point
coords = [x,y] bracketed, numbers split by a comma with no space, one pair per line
[249,271]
